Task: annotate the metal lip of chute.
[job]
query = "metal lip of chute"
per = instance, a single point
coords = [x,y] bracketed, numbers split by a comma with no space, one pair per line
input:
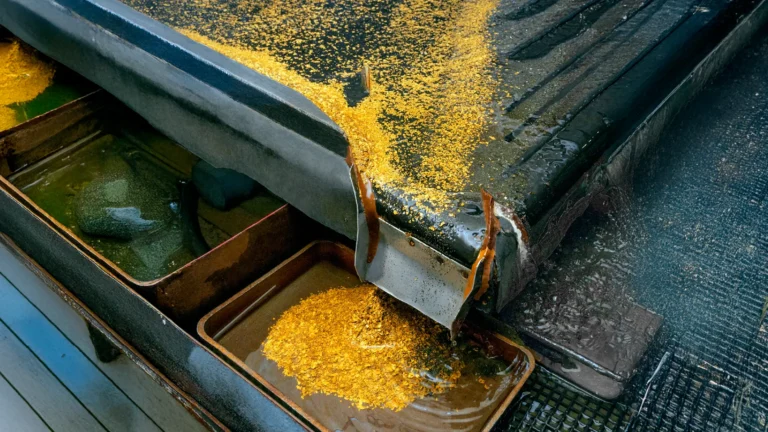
[407,268]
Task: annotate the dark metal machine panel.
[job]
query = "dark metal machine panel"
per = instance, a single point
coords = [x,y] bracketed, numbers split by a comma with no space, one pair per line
[584,90]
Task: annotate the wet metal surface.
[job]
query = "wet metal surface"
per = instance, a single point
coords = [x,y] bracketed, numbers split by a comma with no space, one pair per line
[694,249]
[406,268]
[418,275]
[579,305]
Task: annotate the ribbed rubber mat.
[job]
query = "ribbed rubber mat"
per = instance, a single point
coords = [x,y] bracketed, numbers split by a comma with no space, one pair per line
[687,394]
[548,404]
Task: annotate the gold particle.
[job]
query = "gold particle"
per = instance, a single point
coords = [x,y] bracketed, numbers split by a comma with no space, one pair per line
[431,68]
[362,345]
[23,76]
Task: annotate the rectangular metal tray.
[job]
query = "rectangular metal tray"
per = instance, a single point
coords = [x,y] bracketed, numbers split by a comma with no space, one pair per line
[193,289]
[319,266]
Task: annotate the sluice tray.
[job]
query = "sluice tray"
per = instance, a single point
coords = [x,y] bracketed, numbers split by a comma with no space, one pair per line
[237,329]
[76,166]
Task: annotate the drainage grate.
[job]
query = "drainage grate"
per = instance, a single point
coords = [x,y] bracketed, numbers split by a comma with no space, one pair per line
[688,395]
[548,404]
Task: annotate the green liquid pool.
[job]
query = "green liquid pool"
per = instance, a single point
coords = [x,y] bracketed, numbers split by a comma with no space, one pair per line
[124,202]
[66,87]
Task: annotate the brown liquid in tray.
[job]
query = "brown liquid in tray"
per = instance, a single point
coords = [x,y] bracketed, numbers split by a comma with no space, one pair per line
[483,386]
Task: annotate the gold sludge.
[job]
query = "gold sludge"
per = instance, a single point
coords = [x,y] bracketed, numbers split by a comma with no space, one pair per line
[431,68]
[361,345]
[23,76]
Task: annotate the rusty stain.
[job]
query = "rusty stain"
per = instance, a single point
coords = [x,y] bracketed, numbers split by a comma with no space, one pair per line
[365,79]
[487,249]
[520,226]
[368,199]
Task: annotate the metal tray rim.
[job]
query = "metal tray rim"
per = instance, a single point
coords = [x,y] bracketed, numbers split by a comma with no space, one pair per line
[52,113]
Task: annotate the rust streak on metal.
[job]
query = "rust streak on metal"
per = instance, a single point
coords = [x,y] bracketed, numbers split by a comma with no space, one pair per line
[519,223]
[492,228]
[487,249]
[368,199]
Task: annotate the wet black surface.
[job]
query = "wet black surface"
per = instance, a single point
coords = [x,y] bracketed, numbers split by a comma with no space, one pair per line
[689,241]
[580,303]
[566,89]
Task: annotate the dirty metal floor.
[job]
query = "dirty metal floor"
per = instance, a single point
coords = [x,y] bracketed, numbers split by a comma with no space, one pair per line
[689,241]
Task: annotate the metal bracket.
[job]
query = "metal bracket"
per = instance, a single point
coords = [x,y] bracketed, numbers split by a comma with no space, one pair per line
[105,350]
[413,272]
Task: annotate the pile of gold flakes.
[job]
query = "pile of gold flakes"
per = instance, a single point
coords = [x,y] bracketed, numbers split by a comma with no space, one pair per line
[431,61]
[363,346]
[23,76]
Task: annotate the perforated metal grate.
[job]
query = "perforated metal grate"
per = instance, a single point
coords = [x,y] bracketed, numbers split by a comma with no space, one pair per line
[548,404]
[689,395]
[697,254]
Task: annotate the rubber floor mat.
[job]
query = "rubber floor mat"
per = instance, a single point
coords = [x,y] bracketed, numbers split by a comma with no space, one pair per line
[689,241]
[550,404]
[687,394]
